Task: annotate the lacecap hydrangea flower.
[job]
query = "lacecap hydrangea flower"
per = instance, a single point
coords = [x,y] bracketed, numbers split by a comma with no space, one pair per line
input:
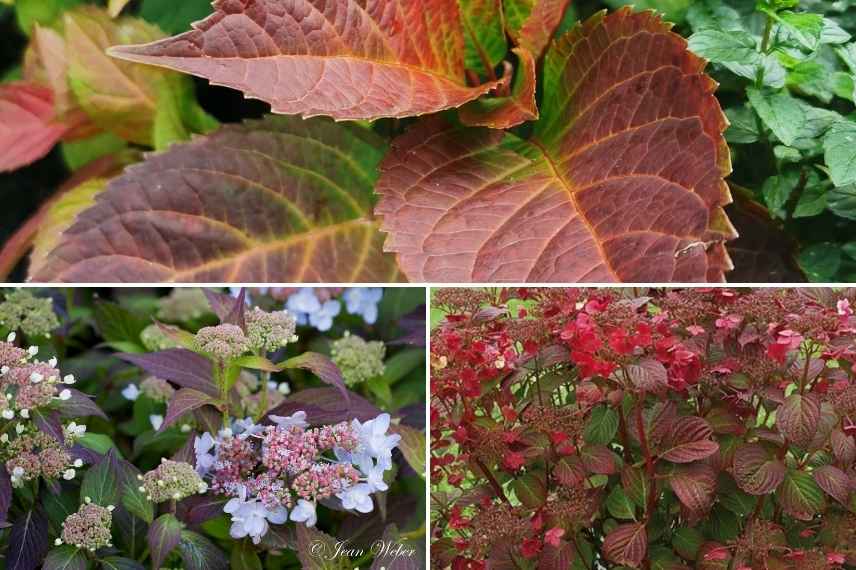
[183,304]
[88,528]
[224,341]
[358,359]
[172,481]
[153,338]
[363,301]
[281,472]
[23,311]
[268,332]
[309,310]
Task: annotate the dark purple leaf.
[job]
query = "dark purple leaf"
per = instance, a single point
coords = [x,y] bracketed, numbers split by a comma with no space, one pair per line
[230,310]
[49,423]
[322,367]
[88,456]
[79,406]
[325,405]
[412,326]
[197,509]
[178,365]
[28,541]
[164,536]
[182,402]
[186,452]
[199,553]
[408,558]
[5,493]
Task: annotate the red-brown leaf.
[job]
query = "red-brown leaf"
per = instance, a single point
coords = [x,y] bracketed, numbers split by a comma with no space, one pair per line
[509,111]
[27,128]
[626,544]
[798,418]
[535,32]
[689,441]
[622,180]
[275,200]
[834,482]
[755,471]
[346,59]
[694,485]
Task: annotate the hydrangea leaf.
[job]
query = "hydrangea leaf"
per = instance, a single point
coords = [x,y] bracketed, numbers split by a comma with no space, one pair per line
[484,34]
[65,557]
[689,441]
[183,402]
[28,130]
[28,541]
[840,153]
[274,200]
[412,446]
[755,471]
[118,96]
[199,553]
[798,418]
[626,544]
[800,496]
[115,7]
[164,535]
[532,23]
[346,60]
[507,111]
[834,482]
[695,486]
[174,17]
[622,180]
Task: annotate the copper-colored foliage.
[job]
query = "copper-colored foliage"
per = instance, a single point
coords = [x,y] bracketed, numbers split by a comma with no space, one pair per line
[274,200]
[622,180]
[27,127]
[344,59]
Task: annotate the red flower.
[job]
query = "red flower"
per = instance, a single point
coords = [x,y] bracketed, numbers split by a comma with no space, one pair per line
[835,558]
[456,521]
[509,413]
[531,547]
[513,461]
[553,536]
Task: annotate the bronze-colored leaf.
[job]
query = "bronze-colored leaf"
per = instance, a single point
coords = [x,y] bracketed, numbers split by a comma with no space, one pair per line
[621,182]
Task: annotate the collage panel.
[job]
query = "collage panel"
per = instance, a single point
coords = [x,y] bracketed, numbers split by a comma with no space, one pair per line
[209,429]
[594,428]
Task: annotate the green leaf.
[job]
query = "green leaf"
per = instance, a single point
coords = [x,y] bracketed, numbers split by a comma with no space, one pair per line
[531,489]
[687,541]
[178,115]
[842,201]
[120,563]
[79,153]
[97,442]
[401,363]
[244,556]
[800,496]
[619,505]
[804,27]
[412,446]
[380,389]
[725,47]
[100,483]
[43,12]
[813,198]
[117,324]
[777,190]
[484,34]
[65,557]
[136,502]
[821,261]
[744,126]
[164,535]
[199,553]
[602,426]
[839,147]
[174,17]
[780,112]
[833,33]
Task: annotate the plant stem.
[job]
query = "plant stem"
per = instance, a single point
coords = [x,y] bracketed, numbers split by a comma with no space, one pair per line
[497,488]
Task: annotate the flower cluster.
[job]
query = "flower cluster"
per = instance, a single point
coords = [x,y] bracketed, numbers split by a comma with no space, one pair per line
[23,311]
[279,472]
[154,338]
[310,309]
[269,331]
[556,409]
[358,360]
[88,528]
[183,304]
[224,341]
[172,481]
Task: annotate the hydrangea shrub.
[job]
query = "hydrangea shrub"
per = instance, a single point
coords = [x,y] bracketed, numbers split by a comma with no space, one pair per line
[601,428]
[232,442]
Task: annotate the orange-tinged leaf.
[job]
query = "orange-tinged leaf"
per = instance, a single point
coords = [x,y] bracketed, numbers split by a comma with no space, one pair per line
[484,34]
[621,182]
[274,200]
[28,130]
[532,23]
[509,111]
[626,544]
[119,97]
[115,7]
[346,59]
